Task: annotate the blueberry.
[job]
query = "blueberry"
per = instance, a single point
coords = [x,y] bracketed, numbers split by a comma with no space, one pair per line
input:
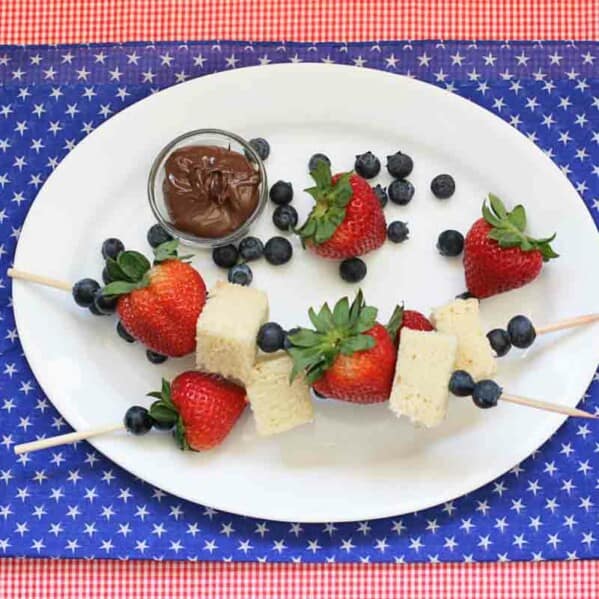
[399,165]
[104,304]
[278,251]
[450,243]
[461,383]
[261,147]
[281,193]
[123,333]
[315,159]
[398,231]
[240,274]
[367,165]
[157,235]
[521,331]
[112,247]
[401,192]
[500,341]
[225,256]
[251,248]
[94,310]
[464,295]
[155,357]
[287,342]
[138,420]
[443,186]
[106,276]
[271,337]
[84,291]
[381,194]
[285,217]
[486,394]
[352,270]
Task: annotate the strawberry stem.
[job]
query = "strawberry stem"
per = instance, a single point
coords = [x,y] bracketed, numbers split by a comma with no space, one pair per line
[508,229]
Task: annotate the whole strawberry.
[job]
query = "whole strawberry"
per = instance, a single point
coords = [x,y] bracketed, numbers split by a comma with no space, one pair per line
[203,408]
[498,255]
[347,219]
[158,305]
[409,319]
[349,356]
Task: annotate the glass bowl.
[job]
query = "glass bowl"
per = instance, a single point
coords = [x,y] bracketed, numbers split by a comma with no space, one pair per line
[204,137]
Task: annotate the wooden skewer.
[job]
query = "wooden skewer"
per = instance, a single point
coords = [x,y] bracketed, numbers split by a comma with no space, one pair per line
[547,406]
[15,273]
[82,435]
[568,323]
[67,438]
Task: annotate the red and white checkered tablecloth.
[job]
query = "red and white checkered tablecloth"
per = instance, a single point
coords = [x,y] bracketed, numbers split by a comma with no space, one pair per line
[74,21]
[81,21]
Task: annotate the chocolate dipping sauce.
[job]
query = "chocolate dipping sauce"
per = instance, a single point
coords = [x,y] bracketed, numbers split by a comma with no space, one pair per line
[209,191]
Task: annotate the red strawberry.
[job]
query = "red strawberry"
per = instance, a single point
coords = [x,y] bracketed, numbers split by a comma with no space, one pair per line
[347,219]
[409,319]
[349,356]
[202,407]
[498,255]
[159,305]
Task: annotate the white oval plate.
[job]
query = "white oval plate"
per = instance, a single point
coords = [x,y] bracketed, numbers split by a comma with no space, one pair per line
[354,462]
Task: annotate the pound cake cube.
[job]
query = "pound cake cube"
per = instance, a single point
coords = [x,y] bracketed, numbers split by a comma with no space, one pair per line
[227,330]
[425,361]
[462,319]
[277,404]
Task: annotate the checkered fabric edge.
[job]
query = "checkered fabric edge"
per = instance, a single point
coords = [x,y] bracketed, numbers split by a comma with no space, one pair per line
[80,21]
[143,580]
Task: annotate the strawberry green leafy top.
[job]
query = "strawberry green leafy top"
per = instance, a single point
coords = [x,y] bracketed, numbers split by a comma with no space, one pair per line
[331,201]
[340,331]
[508,229]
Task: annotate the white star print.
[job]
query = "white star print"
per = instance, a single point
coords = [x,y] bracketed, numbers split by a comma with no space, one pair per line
[450,543]
[83,73]
[313,546]
[467,525]
[484,542]
[501,524]
[180,77]
[329,528]
[166,59]
[108,476]
[39,511]
[519,541]
[347,545]
[231,61]
[522,59]
[116,74]
[587,58]
[193,529]
[551,504]
[124,529]
[416,544]
[359,62]
[141,546]
[296,529]
[148,76]
[588,539]
[391,61]
[279,546]
[570,522]
[132,58]
[56,529]
[141,512]
[490,59]
[227,529]
[72,545]
[555,58]
[38,545]
[68,57]
[210,546]
[198,61]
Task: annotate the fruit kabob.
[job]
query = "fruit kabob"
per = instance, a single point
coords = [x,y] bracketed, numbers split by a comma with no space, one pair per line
[348,355]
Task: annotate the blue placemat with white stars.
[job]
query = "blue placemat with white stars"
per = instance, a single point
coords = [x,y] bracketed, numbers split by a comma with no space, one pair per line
[73,502]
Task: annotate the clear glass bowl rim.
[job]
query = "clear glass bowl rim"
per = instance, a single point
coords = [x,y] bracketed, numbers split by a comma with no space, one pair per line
[189,238]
